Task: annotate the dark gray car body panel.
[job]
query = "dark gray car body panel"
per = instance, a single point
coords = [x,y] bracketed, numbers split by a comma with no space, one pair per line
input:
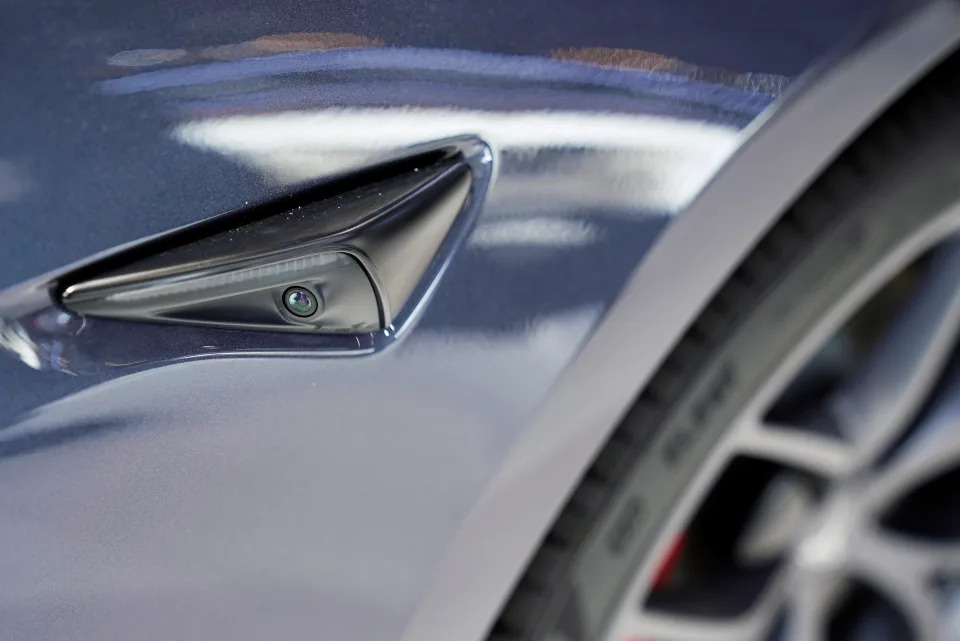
[288,494]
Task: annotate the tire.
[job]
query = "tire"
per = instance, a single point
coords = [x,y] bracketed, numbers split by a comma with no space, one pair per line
[898,176]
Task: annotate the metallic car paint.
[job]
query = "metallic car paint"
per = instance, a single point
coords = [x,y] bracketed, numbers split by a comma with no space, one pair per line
[304,497]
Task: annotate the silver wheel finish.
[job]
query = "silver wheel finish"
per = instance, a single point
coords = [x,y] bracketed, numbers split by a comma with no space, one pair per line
[843,541]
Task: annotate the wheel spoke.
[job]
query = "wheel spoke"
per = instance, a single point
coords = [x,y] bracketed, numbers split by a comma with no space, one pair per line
[821,455]
[908,561]
[896,379]
[903,570]
[807,612]
[932,447]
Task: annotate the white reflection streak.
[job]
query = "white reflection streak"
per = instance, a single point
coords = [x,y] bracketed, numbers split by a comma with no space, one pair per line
[16,340]
[671,159]
[538,231]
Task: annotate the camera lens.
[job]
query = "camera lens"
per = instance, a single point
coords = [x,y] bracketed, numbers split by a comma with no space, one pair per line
[300,301]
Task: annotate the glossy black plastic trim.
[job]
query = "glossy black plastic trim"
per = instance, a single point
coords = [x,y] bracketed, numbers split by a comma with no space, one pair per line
[361,250]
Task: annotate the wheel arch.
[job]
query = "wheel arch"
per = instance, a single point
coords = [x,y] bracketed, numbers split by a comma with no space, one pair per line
[826,109]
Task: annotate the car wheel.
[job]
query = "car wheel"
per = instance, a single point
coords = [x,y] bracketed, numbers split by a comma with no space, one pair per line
[793,469]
